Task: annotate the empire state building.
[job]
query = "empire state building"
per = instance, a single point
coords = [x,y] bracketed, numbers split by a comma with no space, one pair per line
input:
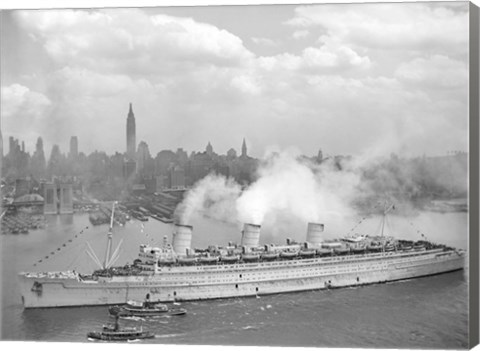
[131,134]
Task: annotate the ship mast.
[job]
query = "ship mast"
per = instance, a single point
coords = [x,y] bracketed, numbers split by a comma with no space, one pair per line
[385,211]
[109,240]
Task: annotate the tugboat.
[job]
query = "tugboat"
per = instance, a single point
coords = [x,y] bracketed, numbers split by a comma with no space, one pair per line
[144,309]
[115,333]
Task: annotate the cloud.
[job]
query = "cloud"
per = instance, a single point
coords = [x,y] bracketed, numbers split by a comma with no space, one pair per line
[300,34]
[264,41]
[436,72]
[393,26]
[116,40]
[23,111]
[354,69]
[19,101]
[333,54]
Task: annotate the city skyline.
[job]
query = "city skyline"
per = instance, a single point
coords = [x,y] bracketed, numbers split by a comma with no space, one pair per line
[304,77]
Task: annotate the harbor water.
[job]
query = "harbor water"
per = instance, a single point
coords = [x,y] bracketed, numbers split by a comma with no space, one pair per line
[430,312]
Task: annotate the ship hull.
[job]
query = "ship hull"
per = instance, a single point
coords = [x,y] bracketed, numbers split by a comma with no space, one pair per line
[183,283]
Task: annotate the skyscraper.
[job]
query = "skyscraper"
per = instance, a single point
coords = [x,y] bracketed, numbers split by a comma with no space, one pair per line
[73,147]
[244,148]
[131,134]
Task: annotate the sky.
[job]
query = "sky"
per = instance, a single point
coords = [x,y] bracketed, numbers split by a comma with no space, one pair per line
[349,79]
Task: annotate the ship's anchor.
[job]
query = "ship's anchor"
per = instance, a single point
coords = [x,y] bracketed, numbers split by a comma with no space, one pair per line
[37,288]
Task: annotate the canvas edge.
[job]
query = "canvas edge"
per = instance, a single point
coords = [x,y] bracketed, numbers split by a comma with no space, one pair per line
[474,131]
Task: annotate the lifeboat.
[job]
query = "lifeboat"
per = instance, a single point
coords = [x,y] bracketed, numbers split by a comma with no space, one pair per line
[418,247]
[324,252]
[269,256]
[250,257]
[166,261]
[208,259]
[307,253]
[342,251]
[229,259]
[389,248]
[374,248]
[288,254]
[187,260]
[358,250]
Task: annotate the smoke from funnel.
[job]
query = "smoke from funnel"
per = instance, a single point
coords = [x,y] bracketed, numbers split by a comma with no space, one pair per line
[286,186]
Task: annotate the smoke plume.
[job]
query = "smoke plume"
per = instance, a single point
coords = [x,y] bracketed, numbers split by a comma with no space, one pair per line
[287,186]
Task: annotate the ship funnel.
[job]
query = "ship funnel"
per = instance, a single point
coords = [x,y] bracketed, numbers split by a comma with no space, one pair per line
[182,239]
[314,233]
[250,235]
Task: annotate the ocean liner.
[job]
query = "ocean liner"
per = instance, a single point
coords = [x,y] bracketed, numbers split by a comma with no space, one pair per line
[176,272]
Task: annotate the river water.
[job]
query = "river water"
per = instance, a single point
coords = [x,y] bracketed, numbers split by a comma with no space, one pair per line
[430,312]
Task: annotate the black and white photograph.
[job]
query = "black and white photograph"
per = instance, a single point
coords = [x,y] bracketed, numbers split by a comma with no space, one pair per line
[283,175]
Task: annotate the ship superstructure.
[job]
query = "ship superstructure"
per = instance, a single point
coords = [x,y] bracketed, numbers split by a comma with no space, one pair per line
[176,272]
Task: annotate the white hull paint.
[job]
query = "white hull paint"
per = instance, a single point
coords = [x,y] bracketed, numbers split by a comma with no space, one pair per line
[182,283]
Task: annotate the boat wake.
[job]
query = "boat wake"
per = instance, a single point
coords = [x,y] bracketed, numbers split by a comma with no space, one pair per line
[165,336]
[248,327]
[133,318]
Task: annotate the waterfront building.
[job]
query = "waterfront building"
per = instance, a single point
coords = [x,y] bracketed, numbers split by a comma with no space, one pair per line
[58,197]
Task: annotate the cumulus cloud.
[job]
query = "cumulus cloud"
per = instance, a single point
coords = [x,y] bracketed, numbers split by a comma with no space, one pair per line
[346,68]
[390,26]
[23,112]
[437,72]
[299,34]
[264,41]
[19,101]
[136,40]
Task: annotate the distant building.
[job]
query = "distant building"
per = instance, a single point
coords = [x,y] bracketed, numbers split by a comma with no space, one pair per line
[209,149]
[177,178]
[244,149]
[129,168]
[131,134]
[145,164]
[231,154]
[73,147]
[58,197]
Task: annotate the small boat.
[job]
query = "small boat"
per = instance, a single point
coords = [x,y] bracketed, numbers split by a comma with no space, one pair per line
[115,333]
[144,309]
